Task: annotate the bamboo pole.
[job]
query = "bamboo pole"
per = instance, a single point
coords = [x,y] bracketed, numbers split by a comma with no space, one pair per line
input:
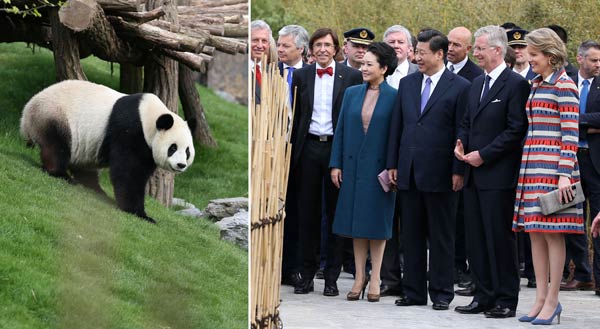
[270,160]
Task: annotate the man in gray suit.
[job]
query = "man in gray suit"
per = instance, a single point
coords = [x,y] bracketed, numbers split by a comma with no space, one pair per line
[398,37]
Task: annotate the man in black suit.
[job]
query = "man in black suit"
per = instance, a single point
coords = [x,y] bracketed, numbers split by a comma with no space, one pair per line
[489,143]
[459,45]
[429,106]
[588,156]
[260,34]
[320,89]
[292,44]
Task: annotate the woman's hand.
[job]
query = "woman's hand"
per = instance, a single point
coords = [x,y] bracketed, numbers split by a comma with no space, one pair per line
[336,177]
[566,193]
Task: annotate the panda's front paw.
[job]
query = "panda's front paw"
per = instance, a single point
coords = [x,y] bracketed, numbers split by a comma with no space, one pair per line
[149,219]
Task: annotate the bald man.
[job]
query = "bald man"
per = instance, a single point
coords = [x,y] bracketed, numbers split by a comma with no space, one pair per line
[458,50]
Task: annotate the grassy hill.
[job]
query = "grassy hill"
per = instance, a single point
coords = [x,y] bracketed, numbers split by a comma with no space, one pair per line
[70,260]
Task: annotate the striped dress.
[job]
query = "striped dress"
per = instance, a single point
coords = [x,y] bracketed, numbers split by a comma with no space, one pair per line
[550,151]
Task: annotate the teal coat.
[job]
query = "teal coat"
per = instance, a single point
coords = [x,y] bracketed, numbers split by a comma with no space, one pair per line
[363,210]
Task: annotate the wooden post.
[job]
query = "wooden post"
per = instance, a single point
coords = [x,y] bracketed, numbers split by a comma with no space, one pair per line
[160,78]
[66,50]
[194,112]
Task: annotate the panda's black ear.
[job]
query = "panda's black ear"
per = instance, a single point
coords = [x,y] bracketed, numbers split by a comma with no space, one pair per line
[164,122]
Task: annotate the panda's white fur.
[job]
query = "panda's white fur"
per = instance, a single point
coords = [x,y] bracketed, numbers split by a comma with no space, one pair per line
[81,126]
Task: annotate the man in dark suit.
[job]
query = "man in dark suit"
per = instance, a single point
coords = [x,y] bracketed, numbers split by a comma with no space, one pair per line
[489,143]
[260,34]
[516,40]
[428,109]
[320,89]
[459,45]
[399,38]
[292,44]
[588,156]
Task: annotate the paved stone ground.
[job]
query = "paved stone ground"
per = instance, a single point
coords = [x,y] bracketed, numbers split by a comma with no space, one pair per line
[581,310]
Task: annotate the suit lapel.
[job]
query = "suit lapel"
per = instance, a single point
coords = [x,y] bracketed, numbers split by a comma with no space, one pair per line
[312,71]
[440,89]
[592,95]
[338,81]
[498,85]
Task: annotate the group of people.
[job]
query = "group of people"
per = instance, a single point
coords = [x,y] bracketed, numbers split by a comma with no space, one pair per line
[467,149]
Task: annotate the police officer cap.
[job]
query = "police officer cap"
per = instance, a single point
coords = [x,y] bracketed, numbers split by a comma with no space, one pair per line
[516,37]
[360,35]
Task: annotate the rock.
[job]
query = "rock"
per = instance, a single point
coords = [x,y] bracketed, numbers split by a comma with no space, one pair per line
[235,229]
[192,212]
[182,203]
[221,208]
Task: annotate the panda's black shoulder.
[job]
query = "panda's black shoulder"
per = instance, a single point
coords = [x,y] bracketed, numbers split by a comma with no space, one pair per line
[124,132]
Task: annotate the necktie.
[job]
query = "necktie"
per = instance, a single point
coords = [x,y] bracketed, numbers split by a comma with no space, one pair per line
[583,97]
[289,80]
[257,70]
[425,94]
[451,68]
[328,70]
[486,87]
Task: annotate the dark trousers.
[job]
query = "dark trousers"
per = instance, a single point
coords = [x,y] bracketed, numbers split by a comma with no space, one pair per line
[492,246]
[313,179]
[391,267]
[577,244]
[428,216]
[460,249]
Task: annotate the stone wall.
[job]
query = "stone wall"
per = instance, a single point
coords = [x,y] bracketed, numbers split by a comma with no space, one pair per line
[228,76]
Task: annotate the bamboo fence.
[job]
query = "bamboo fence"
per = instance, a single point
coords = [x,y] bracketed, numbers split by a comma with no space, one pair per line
[270,159]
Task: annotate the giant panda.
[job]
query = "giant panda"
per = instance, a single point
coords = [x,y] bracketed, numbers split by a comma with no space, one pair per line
[82,126]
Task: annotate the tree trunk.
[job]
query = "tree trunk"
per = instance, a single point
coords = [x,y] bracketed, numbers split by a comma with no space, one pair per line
[192,107]
[160,78]
[131,81]
[66,50]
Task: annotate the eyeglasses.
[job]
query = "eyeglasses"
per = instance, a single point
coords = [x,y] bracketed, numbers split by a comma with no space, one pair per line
[324,45]
[479,49]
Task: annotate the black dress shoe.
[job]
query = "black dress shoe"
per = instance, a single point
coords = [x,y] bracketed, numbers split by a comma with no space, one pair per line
[330,289]
[500,312]
[440,306]
[291,279]
[473,308]
[407,301]
[385,290]
[304,287]
[468,291]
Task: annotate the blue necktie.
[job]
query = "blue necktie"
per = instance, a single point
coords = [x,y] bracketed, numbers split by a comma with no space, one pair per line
[425,94]
[289,81]
[486,87]
[582,105]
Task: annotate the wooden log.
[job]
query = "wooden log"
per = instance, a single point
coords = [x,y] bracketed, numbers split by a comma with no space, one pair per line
[78,14]
[197,62]
[120,5]
[66,50]
[235,30]
[227,45]
[143,17]
[192,107]
[216,3]
[131,79]
[158,36]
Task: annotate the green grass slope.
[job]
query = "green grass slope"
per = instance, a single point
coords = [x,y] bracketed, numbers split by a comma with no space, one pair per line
[70,260]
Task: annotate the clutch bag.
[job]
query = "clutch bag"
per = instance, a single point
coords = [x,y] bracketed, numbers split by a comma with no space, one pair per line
[550,204]
[384,180]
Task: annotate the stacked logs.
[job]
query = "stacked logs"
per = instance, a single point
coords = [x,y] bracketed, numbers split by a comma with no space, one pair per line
[270,157]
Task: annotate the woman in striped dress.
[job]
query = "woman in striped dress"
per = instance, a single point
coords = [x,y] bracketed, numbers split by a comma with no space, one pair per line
[549,162]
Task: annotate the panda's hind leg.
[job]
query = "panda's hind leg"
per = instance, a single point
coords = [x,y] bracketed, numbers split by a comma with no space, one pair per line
[89,179]
[55,152]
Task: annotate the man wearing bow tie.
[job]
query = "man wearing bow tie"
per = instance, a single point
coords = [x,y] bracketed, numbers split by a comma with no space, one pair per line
[320,89]
[490,143]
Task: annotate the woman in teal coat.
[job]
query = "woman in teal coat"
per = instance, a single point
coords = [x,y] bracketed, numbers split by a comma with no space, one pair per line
[364,211]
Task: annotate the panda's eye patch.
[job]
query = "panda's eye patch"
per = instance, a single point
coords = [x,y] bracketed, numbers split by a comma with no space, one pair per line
[187,153]
[172,149]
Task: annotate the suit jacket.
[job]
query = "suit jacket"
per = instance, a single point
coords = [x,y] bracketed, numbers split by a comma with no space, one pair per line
[304,81]
[591,119]
[470,71]
[280,66]
[496,126]
[423,143]
[363,208]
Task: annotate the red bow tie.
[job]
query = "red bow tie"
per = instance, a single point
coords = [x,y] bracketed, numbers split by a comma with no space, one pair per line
[328,70]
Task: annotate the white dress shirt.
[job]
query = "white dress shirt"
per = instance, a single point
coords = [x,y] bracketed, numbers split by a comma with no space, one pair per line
[494,75]
[524,72]
[458,66]
[321,121]
[400,72]
[435,78]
